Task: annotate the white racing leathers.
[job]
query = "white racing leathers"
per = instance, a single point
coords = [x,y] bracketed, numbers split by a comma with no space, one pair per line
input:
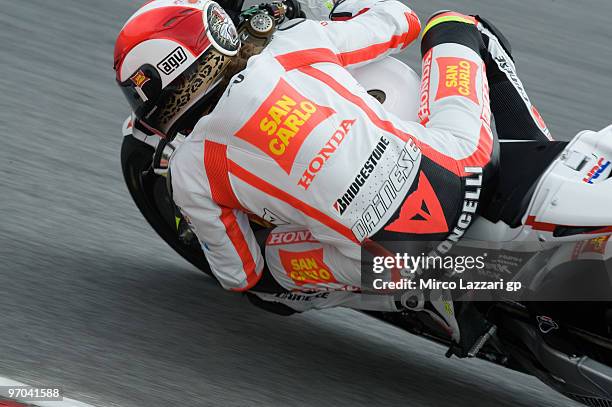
[296,141]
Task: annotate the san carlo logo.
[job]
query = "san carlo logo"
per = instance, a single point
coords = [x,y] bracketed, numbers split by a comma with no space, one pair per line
[457,78]
[139,79]
[306,267]
[282,123]
[170,63]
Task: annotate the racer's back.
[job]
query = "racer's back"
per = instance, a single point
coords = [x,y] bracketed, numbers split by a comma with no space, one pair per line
[296,140]
[293,140]
[304,139]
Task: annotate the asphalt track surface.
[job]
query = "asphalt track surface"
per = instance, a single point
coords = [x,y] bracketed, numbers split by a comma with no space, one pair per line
[93,301]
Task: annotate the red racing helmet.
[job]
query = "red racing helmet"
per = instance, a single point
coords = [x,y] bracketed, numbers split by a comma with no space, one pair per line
[170,57]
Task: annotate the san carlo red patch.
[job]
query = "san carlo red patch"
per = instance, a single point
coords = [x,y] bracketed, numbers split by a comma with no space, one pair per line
[282,123]
[457,78]
[596,246]
[306,267]
[139,79]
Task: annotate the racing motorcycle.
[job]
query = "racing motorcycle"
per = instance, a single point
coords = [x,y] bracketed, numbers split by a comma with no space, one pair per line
[566,344]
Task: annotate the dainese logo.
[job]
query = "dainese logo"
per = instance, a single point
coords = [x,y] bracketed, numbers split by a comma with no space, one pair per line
[282,123]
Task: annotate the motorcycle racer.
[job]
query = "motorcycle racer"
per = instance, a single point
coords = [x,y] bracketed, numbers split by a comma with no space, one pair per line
[293,138]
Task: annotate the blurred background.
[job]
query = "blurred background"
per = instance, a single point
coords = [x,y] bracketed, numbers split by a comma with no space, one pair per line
[93,301]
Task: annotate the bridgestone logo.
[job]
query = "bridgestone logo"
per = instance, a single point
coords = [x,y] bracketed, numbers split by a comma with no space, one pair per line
[342,203]
[172,61]
[371,218]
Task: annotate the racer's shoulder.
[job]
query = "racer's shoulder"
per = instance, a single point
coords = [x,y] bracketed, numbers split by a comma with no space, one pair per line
[188,176]
[295,25]
[187,155]
[252,83]
[299,34]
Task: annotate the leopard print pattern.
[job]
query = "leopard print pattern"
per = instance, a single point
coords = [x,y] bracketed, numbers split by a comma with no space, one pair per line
[208,71]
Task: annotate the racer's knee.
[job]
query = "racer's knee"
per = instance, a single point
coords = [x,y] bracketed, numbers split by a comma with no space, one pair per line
[267,286]
[298,261]
[452,27]
[493,30]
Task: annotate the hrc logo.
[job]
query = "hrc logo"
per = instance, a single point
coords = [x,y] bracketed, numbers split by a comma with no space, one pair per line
[597,171]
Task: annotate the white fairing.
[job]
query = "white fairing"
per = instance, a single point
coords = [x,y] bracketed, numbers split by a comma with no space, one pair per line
[574,191]
[398,81]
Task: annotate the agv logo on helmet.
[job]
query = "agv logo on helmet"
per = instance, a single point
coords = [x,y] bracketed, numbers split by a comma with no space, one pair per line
[173,61]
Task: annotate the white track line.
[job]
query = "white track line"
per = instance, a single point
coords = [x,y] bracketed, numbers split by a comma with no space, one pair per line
[66,402]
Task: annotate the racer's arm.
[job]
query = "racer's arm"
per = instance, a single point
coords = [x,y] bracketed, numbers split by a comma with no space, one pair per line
[367,30]
[225,234]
